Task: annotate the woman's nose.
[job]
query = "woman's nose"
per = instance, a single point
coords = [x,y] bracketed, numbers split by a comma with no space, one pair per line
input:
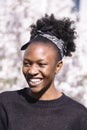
[33,70]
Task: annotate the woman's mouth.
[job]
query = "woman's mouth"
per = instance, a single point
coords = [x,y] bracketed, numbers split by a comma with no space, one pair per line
[35,81]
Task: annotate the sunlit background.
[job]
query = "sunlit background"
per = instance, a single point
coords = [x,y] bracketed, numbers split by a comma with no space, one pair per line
[15,18]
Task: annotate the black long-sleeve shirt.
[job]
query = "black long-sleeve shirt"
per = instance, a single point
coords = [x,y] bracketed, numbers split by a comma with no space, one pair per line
[18,111]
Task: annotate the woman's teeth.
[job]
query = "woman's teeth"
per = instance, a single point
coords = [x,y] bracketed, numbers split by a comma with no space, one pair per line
[35,81]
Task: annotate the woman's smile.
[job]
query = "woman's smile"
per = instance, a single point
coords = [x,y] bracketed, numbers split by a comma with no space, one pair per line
[35,81]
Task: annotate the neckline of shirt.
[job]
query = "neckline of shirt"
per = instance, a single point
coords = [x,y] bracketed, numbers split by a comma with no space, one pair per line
[45,103]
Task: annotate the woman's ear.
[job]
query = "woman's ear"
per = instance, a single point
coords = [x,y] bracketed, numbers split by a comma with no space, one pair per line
[58,66]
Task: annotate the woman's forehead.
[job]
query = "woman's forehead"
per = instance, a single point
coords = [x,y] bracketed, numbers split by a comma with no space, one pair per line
[39,50]
[39,47]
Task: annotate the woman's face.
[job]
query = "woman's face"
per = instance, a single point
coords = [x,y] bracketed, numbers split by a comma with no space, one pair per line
[40,67]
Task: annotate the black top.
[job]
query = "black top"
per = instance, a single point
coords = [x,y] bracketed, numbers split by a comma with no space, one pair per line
[18,111]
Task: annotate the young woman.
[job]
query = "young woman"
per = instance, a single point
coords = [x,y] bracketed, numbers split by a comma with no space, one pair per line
[41,106]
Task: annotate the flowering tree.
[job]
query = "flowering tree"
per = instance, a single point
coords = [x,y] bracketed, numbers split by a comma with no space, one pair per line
[15,18]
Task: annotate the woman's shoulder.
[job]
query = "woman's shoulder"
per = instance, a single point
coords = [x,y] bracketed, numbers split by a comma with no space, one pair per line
[76,111]
[75,106]
[10,96]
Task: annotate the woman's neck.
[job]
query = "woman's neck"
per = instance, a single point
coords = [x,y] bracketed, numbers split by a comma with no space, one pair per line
[49,94]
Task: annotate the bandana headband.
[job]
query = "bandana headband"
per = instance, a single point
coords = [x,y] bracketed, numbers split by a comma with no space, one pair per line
[58,42]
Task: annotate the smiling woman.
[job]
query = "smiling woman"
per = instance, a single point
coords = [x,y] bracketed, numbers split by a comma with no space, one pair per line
[41,106]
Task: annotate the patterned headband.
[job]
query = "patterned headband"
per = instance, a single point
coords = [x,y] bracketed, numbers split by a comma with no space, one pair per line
[58,42]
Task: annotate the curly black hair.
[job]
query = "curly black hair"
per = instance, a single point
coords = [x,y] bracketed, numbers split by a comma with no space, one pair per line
[61,28]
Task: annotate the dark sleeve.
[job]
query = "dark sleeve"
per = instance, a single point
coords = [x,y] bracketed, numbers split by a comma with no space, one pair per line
[3,118]
[83,122]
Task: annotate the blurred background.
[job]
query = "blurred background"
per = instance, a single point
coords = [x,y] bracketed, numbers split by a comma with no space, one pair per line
[15,18]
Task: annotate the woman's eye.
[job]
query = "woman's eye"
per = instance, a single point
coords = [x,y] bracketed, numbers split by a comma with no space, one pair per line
[42,64]
[26,64]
